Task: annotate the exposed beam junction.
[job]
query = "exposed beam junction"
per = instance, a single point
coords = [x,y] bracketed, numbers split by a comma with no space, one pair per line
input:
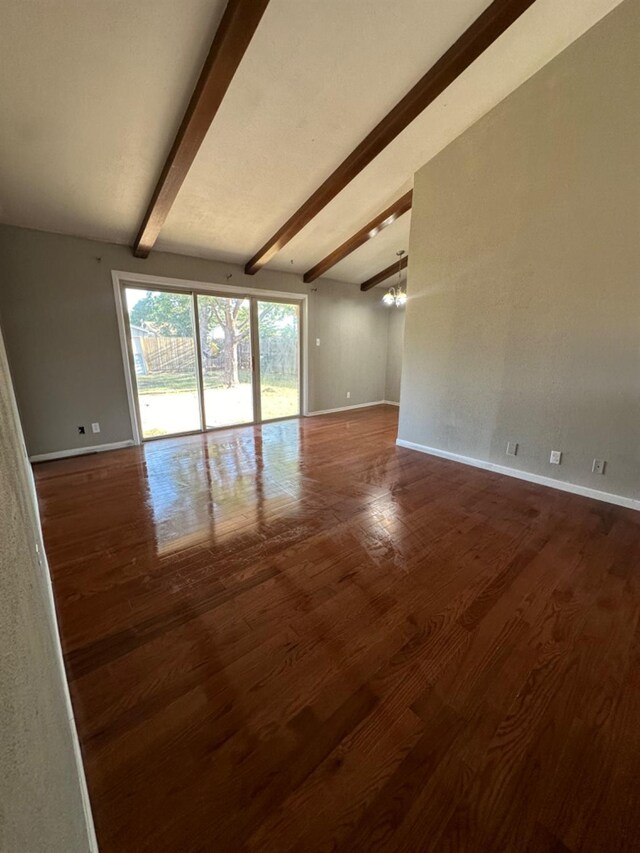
[371,230]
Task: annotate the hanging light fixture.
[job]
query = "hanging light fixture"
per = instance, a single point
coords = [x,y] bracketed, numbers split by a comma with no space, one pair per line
[396,295]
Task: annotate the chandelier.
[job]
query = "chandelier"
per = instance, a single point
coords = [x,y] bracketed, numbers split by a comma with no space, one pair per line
[396,295]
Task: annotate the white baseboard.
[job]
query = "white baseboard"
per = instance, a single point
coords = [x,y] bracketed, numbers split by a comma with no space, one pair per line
[80,451]
[390,403]
[346,408]
[541,480]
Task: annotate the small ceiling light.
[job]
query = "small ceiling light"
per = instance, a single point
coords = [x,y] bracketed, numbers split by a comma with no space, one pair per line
[396,295]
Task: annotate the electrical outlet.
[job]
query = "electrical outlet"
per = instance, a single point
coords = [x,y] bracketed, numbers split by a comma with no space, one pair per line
[95,427]
[556,457]
[512,448]
[317,342]
[80,430]
[348,395]
[598,466]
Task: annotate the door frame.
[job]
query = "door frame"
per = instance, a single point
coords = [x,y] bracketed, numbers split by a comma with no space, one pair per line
[122,279]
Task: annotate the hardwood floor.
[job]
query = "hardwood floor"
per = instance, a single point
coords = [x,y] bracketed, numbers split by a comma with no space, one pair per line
[302,637]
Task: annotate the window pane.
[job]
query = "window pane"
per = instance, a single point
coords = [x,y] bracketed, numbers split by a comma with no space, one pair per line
[225,341]
[279,336]
[164,356]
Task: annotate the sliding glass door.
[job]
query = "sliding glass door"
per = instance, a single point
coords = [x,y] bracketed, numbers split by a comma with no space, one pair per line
[279,341]
[227,369]
[163,348]
[204,361]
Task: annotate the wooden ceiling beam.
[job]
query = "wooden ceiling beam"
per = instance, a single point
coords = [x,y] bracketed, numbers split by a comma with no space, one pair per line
[384,274]
[491,24]
[239,22]
[387,217]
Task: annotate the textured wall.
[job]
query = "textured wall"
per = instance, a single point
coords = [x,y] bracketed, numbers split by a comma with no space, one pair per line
[395,342]
[58,315]
[353,346]
[41,806]
[523,321]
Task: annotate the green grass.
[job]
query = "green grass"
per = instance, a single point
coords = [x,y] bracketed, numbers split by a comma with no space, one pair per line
[277,381]
[166,383]
[279,402]
[180,383]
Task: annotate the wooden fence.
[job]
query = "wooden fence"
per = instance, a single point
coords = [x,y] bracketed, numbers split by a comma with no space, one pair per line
[168,355]
[278,357]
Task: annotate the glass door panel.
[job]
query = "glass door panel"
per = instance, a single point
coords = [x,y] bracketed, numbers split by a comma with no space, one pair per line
[225,347]
[279,342]
[161,329]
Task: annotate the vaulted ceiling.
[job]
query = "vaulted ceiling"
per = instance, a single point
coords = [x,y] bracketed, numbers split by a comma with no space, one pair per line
[93,94]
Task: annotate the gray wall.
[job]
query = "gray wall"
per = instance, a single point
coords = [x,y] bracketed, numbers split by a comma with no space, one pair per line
[523,321]
[58,315]
[41,786]
[395,343]
[353,346]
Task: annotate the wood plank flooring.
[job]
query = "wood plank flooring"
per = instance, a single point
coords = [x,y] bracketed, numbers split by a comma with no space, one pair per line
[302,637]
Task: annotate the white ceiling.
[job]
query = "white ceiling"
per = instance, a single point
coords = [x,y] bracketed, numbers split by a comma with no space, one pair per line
[93,91]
